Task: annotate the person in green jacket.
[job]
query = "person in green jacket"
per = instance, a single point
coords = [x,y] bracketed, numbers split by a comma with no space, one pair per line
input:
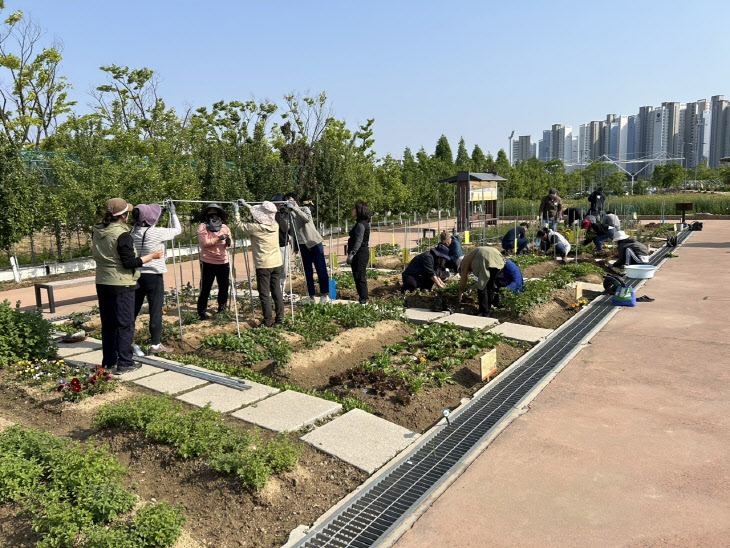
[117,272]
[485,263]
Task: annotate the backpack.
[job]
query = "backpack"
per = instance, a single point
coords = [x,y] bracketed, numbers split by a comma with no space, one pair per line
[612,281]
[695,226]
[624,296]
[672,241]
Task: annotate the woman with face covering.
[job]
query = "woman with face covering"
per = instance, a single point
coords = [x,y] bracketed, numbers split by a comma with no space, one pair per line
[147,238]
[117,271]
[214,237]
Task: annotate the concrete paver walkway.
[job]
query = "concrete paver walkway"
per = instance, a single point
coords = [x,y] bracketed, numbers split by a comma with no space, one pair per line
[629,445]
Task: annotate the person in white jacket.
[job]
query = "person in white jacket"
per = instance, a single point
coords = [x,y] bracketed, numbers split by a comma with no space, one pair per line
[148,238]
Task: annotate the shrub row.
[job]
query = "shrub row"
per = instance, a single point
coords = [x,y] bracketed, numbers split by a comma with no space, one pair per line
[23,335]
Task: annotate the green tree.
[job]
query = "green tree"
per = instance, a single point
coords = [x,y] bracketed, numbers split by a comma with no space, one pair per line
[478,160]
[18,193]
[36,93]
[463,161]
[443,151]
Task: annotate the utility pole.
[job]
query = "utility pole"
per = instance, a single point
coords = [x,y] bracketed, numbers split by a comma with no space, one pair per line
[510,145]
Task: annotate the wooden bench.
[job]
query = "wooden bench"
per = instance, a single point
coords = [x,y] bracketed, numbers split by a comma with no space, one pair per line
[48,286]
[429,232]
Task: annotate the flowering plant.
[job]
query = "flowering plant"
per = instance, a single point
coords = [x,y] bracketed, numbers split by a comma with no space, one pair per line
[38,372]
[96,381]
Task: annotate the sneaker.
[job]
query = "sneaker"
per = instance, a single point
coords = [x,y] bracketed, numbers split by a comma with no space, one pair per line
[324,299]
[157,348]
[121,369]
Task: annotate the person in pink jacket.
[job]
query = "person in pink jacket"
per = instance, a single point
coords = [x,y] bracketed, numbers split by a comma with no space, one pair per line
[214,237]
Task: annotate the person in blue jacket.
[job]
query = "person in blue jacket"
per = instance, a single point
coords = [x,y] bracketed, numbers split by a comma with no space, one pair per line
[455,253]
[509,278]
[518,233]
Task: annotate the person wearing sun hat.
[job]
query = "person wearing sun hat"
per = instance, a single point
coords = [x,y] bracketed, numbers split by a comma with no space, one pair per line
[485,263]
[214,239]
[629,250]
[424,269]
[264,234]
[117,271]
[149,237]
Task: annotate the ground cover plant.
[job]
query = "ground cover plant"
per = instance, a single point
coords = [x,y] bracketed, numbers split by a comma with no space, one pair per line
[201,433]
[427,357]
[387,249]
[539,291]
[73,494]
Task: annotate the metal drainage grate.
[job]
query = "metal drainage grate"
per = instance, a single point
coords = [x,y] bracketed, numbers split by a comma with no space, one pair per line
[372,514]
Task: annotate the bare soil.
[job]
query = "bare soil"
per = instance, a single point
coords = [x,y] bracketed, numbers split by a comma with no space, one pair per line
[425,407]
[219,512]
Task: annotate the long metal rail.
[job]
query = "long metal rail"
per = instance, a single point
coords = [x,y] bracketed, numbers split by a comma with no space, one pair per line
[375,512]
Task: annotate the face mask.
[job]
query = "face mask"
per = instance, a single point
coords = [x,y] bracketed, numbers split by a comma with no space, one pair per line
[213,226]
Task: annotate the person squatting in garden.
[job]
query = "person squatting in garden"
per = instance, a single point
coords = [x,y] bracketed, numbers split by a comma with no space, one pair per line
[286,235]
[596,232]
[264,234]
[510,278]
[310,246]
[551,209]
[611,219]
[485,263]
[358,248]
[117,272]
[147,238]
[214,237]
[424,269]
[629,250]
[551,238]
[574,215]
[596,199]
[455,253]
[519,234]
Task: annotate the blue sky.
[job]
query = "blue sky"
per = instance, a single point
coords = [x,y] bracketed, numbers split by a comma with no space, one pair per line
[464,69]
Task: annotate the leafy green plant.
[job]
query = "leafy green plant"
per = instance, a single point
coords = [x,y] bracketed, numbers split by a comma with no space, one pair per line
[254,344]
[157,524]
[387,249]
[23,335]
[189,317]
[78,319]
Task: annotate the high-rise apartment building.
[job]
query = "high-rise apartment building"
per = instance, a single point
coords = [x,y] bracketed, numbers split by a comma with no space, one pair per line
[696,139]
[718,129]
[522,148]
[641,132]
[544,146]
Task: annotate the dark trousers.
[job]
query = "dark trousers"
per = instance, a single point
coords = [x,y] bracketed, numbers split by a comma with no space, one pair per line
[487,297]
[208,273]
[151,286]
[117,326]
[411,283]
[521,245]
[315,256]
[268,282]
[359,273]
[598,240]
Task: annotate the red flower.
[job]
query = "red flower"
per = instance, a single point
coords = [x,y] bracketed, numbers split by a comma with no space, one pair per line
[75,388]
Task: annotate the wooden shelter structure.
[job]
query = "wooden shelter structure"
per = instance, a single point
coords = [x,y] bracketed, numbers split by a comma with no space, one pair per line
[476,198]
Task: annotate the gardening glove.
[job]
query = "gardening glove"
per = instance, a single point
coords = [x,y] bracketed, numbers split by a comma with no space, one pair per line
[171,208]
[228,240]
[235,206]
[350,256]
[290,204]
[244,203]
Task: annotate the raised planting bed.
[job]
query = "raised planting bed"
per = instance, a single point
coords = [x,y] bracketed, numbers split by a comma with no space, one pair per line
[165,457]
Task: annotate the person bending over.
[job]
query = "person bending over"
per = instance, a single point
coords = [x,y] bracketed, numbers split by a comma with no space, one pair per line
[519,235]
[551,238]
[485,263]
[424,269]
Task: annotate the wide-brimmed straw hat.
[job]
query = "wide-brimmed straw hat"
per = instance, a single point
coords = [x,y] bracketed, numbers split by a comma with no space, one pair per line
[264,213]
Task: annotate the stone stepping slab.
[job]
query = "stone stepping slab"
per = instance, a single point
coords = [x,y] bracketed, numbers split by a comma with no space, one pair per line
[469,321]
[95,357]
[361,439]
[169,381]
[66,350]
[520,332]
[225,399]
[424,315]
[288,411]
